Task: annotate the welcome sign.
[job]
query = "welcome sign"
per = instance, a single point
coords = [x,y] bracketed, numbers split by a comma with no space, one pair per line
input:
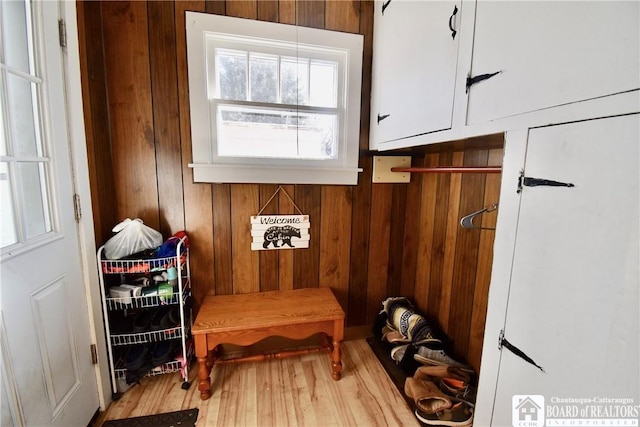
[270,232]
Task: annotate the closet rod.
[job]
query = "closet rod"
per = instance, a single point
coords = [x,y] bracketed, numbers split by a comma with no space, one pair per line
[450,169]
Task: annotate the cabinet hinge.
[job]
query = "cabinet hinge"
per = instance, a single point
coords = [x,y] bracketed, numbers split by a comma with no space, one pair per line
[526,181]
[385,5]
[77,208]
[94,354]
[480,77]
[62,33]
[502,342]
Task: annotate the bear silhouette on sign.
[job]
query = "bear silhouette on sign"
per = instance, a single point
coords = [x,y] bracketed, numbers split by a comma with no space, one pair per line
[281,235]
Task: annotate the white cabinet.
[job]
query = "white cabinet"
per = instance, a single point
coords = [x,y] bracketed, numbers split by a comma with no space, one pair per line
[551,53]
[570,290]
[414,67]
[552,62]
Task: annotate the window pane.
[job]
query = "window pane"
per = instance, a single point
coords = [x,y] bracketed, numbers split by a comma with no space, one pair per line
[22,116]
[3,135]
[264,78]
[323,88]
[35,204]
[7,220]
[294,81]
[15,35]
[231,69]
[253,132]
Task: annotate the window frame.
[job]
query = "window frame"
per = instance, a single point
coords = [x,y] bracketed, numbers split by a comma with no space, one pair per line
[272,38]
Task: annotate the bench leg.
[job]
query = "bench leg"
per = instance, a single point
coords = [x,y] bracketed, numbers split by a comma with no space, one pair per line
[205,363]
[336,361]
[204,379]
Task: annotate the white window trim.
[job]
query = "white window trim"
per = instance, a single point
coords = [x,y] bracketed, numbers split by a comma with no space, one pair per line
[207,168]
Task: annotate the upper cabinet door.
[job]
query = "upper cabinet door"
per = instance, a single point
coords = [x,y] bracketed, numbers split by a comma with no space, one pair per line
[551,53]
[414,67]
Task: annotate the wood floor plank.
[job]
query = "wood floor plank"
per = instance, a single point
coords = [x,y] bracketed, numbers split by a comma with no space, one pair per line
[295,391]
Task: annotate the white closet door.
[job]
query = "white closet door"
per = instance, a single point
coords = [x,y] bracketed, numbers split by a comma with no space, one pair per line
[573,301]
[552,53]
[414,67]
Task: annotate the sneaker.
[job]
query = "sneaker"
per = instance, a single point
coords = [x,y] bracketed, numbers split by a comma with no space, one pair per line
[460,414]
[430,356]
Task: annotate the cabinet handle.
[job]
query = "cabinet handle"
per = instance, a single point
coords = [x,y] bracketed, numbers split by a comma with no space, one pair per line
[453,31]
[385,5]
[382,117]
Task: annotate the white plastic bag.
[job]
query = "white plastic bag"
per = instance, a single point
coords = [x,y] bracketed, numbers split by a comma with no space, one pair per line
[132,237]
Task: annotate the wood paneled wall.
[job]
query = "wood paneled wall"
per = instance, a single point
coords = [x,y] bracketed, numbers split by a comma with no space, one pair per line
[367,241]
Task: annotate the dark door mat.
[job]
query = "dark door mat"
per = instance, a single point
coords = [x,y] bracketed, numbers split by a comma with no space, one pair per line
[382,350]
[186,418]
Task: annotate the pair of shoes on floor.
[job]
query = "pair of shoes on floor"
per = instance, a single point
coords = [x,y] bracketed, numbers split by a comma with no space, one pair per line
[428,355]
[440,404]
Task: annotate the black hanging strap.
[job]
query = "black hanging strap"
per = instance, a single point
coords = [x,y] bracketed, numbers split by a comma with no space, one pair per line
[502,342]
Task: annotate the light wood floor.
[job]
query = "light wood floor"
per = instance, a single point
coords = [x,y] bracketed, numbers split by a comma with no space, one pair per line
[295,391]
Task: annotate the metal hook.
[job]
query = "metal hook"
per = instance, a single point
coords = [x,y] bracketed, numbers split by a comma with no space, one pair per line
[467,221]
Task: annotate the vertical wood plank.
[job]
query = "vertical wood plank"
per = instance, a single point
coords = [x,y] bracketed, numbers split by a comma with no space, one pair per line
[335,241]
[306,261]
[396,239]
[216,7]
[222,246]
[411,231]
[268,259]
[485,260]
[129,89]
[287,11]
[342,15]
[268,10]
[198,213]
[366,29]
[358,277]
[426,242]
[97,129]
[242,9]
[285,258]
[439,238]
[163,58]
[452,225]
[379,235]
[245,262]
[466,255]
[310,13]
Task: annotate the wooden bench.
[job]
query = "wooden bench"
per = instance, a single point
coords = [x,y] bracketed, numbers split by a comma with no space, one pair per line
[245,319]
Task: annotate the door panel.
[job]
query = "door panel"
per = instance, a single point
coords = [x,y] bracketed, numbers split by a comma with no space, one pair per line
[45,335]
[552,53]
[414,67]
[573,300]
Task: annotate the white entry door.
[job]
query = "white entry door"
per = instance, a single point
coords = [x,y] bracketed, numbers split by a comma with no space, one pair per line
[47,374]
[573,301]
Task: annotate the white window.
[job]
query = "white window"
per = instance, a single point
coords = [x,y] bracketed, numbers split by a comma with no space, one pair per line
[273,103]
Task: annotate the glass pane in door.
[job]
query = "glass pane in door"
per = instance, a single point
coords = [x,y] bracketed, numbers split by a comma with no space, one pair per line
[33,195]
[23,116]
[15,35]
[7,220]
